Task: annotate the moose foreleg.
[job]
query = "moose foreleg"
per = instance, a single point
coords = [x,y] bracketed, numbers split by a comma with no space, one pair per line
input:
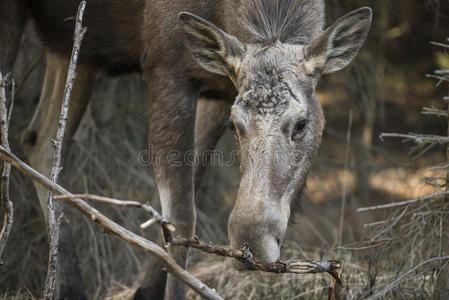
[171,137]
[210,124]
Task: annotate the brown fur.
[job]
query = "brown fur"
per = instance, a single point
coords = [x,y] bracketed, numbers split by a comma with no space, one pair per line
[113,42]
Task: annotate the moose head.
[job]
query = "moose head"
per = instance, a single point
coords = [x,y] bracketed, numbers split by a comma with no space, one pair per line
[277,118]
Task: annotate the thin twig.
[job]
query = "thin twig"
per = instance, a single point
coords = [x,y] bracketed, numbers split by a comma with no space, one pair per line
[111,227]
[101,199]
[406,202]
[441,79]
[434,111]
[6,203]
[418,138]
[440,44]
[148,208]
[53,227]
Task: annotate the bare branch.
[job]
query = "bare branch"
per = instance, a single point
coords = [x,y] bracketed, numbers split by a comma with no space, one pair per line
[406,202]
[434,111]
[101,199]
[53,227]
[111,227]
[440,44]
[441,72]
[148,224]
[6,203]
[244,255]
[148,208]
[53,256]
[418,138]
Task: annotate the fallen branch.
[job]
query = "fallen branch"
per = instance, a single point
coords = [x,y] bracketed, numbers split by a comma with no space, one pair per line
[111,227]
[53,223]
[244,254]
[6,203]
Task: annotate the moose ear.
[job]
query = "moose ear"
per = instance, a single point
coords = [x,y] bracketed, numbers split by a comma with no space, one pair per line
[336,47]
[213,49]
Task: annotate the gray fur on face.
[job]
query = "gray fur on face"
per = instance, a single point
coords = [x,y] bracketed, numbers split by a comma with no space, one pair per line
[262,78]
[274,95]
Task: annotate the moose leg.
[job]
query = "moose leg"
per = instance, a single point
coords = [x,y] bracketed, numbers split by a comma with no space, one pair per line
[211,115]
[171,136]
[12,21]
[37,145]
[210,124]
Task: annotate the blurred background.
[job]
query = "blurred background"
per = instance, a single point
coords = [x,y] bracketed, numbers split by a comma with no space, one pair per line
[386,251]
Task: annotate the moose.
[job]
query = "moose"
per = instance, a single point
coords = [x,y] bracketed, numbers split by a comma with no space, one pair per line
[255,63]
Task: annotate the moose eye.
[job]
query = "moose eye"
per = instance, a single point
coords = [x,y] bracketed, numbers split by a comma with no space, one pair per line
[237,127]
[299,127]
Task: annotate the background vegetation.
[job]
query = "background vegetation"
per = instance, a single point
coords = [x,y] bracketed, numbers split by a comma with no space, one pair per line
[383,91]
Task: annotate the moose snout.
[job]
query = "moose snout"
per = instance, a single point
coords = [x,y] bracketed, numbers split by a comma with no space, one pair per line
[262,242]
[266,249]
